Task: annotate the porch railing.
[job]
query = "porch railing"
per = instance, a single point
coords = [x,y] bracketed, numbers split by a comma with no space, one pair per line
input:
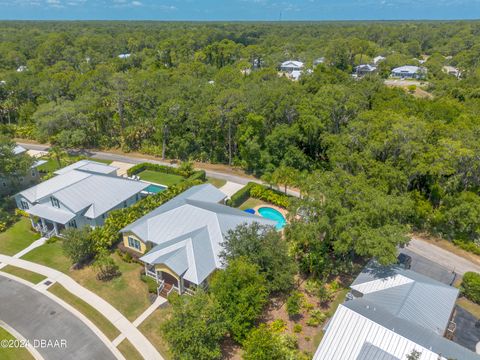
[161,285]
[151,274]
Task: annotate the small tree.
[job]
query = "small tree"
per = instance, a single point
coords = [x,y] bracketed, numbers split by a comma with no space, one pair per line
[471,286]
[241,291]
[196,327]
[77,245]
[105,266]
[187,168]
[263,344]
[294,302]
[414,355]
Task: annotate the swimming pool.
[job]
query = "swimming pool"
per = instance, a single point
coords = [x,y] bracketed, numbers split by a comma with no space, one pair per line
[272,214]
[154,189]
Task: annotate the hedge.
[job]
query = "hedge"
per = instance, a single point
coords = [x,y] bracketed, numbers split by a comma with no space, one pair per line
[195,175]
[471,286]
[469,246]
[260,192]
[107,235]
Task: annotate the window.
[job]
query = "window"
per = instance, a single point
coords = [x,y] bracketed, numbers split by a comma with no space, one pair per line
[55,202]
[125,204]
[4,184]
[24,205]
[136,197]
[72,223]
[134,243]
[34,173]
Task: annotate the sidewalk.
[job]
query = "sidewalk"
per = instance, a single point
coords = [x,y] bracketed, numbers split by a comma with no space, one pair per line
[136,338]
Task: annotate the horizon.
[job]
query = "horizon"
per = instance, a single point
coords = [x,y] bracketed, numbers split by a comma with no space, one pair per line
[239,10]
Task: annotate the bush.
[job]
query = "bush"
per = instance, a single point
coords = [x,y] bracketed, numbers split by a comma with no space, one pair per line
[316,318]
[294,304]
[469,246]
[278,326]
[263,344]
[78,246]
[151,283]
[105,267]
[471,286]
[240,196]
[198,175]
[297,328]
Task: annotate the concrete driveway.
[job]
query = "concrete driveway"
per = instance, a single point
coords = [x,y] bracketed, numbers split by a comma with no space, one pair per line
[37,317]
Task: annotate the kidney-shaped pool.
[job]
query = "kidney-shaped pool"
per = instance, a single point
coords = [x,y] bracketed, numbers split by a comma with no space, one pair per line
[273,214]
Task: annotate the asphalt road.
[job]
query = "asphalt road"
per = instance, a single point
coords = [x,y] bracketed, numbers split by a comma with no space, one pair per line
[36,317]
[136,160]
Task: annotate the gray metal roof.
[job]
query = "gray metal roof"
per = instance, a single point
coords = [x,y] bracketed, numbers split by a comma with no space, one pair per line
[51,213]
[191,223]
[88,166]
[18,149]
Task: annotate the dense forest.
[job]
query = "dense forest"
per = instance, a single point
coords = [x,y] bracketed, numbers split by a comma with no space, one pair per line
[386,161]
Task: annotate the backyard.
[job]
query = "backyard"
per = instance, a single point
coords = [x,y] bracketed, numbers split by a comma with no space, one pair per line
[17,237]
[160,178]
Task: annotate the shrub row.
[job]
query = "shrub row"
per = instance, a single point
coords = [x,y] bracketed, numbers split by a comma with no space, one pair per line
[108,235]
[260,192]
[469,246]
[471,286]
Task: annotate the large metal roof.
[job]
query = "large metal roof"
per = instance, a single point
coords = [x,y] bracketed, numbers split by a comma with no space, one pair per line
[88,166]
[193,221]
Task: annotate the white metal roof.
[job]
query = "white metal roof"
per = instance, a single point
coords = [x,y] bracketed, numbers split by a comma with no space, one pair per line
[409,69]
[18,149]
[48,212]
[194,222]
[377,59]
[88,166]
[292,63]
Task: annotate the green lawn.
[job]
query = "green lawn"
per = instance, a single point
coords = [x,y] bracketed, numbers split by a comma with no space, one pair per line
[151,329]
[218,183]
[127,293]
[160,178]
[129,351]
[12,353]
[96,317]
[52,164]
[250,203]
[17,237]
[50,254]
[33,277]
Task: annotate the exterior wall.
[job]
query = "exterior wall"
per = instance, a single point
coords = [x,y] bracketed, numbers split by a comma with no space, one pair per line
[167,270]
[143,246]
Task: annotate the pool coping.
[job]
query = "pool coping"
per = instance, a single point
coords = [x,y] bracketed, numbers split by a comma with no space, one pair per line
[279,209]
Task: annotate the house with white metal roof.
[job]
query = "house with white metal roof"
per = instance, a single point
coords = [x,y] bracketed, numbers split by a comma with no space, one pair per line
[409,72]
[180,241]
[365,69]
[292,65]
[378,59]
[389,313]
[450,70]
[81,194]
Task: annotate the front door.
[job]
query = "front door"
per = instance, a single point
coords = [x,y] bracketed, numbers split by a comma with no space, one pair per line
[169,279]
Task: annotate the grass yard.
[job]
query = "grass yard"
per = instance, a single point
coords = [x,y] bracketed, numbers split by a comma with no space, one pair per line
[251,203]
[12,353]
[151,329]
[50,254]
[218,183]
[470,306]
[160,177]
[52,164]
[33,277]
[129,351]
[17,237]
[127,293]
[96,317]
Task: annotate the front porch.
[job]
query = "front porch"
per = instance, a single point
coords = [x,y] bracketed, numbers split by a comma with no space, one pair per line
[47,228]
[167,283]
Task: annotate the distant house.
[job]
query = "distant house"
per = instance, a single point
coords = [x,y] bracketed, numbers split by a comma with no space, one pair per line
[181,240]
[378,59]
[22,68]
[450,70]
[318,61]
[292,65]
[124,56]
[81,194]
[409,72]
[8,184]
[389,313]
[365,69]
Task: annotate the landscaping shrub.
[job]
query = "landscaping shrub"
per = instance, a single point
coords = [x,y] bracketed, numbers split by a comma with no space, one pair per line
[198,175]
[105,267]
[469,246]
[151,283]
[77,245]
[471,286]
[260,192]
[316,318]
[240,196]
[297,328]
[278,326]
[294,304]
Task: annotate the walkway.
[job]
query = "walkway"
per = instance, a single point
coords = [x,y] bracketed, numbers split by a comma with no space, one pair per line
[442,257]
[38,318]
[231,188]
[136,338]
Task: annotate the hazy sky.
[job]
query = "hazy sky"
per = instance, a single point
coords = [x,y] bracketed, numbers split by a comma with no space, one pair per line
[240,9]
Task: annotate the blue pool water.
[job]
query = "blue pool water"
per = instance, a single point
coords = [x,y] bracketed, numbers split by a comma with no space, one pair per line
[250,211]
[272,214]
[154,189]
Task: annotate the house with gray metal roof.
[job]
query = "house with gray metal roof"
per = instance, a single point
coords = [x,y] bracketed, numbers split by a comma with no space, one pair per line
[409,72]
[180,241]
[389,313]
[81,194]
